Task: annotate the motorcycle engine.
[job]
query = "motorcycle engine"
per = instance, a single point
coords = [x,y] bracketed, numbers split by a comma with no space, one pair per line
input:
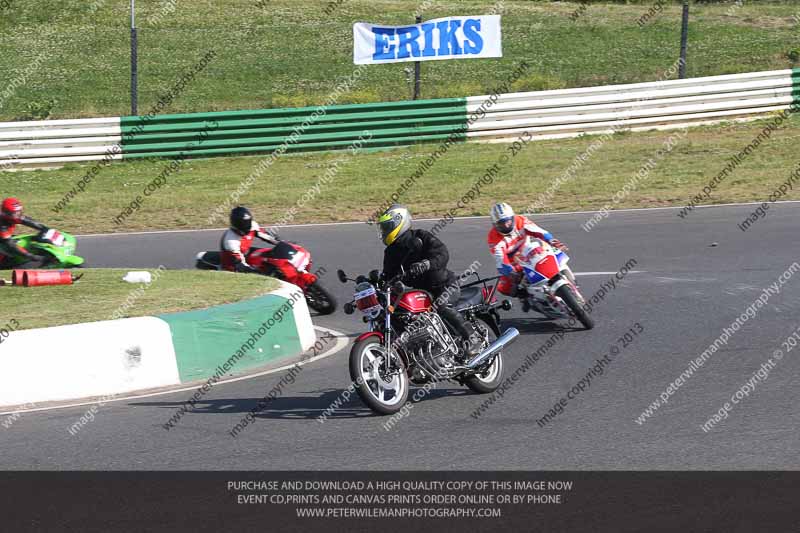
[429,346]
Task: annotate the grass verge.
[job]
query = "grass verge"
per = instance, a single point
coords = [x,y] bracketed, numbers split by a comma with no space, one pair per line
[102,295]
[70,58]
[329,187]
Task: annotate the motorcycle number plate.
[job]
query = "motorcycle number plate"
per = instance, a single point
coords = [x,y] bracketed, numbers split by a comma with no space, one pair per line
[364,293]
[366,300]
[300,260]
[54,237]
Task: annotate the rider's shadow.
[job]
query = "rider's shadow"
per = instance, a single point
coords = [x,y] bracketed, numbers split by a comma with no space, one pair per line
[419,394]
[309,408]
[283,407]
[323,407]
[538,325]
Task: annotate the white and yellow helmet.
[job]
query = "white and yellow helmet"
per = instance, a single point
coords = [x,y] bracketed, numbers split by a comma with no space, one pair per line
[395,221]
[502,217]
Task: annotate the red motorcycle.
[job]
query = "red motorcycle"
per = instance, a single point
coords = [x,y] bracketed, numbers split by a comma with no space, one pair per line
[408,342]
[287,261]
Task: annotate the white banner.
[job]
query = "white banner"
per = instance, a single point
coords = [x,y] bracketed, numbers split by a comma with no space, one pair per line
[444,38]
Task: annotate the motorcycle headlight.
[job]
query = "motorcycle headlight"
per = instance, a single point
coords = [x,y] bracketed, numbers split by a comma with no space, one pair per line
[366,300]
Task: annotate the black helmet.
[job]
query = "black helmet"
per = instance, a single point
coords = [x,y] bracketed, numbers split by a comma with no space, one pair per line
[241,219]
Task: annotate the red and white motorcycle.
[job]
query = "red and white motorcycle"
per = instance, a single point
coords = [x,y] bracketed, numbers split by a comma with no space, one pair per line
[549,282]
[287,261]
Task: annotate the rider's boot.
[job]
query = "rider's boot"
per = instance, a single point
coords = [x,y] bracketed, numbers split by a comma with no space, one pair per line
[472,346]
[469,338]
[522,295]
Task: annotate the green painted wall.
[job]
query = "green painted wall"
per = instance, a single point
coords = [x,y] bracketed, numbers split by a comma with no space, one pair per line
[243,335]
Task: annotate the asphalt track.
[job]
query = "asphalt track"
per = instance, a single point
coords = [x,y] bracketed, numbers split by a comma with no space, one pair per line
[683,296]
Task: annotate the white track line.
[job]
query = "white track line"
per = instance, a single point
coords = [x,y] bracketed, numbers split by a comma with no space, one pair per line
[476,217]
[608,273]
[341,342]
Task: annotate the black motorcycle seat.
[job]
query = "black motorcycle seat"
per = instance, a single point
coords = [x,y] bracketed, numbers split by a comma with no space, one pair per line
[470,296]
[212,257]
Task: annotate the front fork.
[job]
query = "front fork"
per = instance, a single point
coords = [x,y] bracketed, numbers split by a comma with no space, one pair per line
[307,278]
[387,334]
[566,277]
[571,277]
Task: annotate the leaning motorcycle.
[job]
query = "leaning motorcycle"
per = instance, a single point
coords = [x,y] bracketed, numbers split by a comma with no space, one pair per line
[287,261]
[57,247]
[408,342]
[548,283]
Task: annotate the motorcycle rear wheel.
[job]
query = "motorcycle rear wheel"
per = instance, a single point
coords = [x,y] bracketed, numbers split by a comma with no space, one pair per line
[489,380]
[385,395]
[319,299]
[567,293]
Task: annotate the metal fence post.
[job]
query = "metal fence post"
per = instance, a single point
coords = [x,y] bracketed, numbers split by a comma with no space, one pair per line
[417,81]
[134,62]
[684,39]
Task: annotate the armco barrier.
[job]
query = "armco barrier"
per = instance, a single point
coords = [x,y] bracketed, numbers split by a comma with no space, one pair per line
[543,114]
[306,128]
[640,106]
[46,143]
[120,356]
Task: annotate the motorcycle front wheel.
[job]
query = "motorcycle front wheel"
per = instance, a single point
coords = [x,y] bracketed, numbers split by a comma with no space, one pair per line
[319,299]
[490,378]
[383,387]
[567,293]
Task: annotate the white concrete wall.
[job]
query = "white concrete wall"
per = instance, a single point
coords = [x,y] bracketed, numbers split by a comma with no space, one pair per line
[85,360]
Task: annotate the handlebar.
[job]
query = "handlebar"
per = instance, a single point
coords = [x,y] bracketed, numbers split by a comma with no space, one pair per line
[398,278]
[397,281]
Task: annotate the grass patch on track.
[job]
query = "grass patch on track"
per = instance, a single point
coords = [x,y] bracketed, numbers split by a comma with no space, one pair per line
[102,295]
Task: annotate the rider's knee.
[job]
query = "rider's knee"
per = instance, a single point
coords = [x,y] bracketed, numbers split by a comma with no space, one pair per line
[506,286]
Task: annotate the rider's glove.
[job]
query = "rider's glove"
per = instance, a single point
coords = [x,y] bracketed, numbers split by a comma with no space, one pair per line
[245,268]
[506,270]
[270,235]
[420,267]
[558,244]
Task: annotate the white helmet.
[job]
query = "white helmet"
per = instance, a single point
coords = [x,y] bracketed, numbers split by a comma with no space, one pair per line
[502,217]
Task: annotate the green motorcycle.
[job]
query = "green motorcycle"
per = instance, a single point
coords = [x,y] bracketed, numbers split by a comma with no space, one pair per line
[57,246]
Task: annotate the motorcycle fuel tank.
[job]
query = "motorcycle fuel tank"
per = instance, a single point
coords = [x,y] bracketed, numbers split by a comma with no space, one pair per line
[415,301]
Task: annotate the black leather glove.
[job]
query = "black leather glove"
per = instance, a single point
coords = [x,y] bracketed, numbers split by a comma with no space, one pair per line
[274,272]
[270,236]
[245,268]
[420,267]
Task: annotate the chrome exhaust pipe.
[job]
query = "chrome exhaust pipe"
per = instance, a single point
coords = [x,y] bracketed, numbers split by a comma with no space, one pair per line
[506,338]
